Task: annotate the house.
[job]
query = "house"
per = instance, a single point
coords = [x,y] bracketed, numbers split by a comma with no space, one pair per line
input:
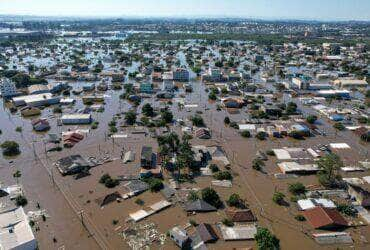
[40,124]
[179,236]
[306,204]
[206,233]
[30,111]
[72,138]
[360,193]
[297,168]
[15,230]
[203,133]
[146,159]
[239,232]
[167,83]
[325,218]
[240,215]
[88,87]
[7,88]
[38,89]
[36,100]
[199,206]
[181,75]
[71,119]
[271,110]
[350,83]
[72,164]
[146,87]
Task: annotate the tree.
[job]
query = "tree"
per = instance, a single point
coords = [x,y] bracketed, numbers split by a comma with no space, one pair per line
[297,188]
[212,96]
[148,110]
[266,240]
[278,198]
[167,116]
[245,134]
[257,164]
[311,119]
[10,148]
[223,175]
[210,196]
[329,166]
[261,135]
[291,108]
[197,121]
[155,184]
[21,201]
[235,201]
[227,120]
[193,196]
[108,181]
[130,117]
[339,126]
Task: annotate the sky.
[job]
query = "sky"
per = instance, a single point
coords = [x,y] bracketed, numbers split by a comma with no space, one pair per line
[265,9]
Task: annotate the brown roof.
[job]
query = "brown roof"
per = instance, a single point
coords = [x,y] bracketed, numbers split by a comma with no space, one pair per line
[206,233]
[240,215]
[320,217]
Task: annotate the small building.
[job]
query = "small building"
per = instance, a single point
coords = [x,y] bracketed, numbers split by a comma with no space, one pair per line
[30,111]
[40,124]
[181,75]
[203,133]
[240,232]
[38,89]
[360,193]
[168,83]
[206,233]
[325,218]
[15,230]
[71,119]
[350,83]
[240,215]
[179,236]
[199,206]
[146,87]
[306,204]
[72,164]
[36,100]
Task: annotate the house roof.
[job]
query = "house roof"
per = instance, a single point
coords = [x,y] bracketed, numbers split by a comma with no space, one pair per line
[320,217]
[206,232]
[199,206]
[240,215]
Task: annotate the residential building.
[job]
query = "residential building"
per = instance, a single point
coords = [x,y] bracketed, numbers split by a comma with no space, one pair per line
[7,88]
[70,119]
[181,75]
[167,83]
[325,218]
[179,236]
[146,87]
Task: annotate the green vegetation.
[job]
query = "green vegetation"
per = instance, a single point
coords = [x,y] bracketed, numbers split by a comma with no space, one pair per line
[266,240]
[227,120]
[257,164]
[193,196]
[155,184]
[130,117]
[297,188]
[21,201]
[235,201]
[245,134]
[227,222]
[339,126]
[348,210]
[223,175]
[278,198]
[197,121]
[148,110]
[300,217]
[311,119]
[210,195]
[214,168]
[108,181]
[261,135]
[328,175]
[10,148]
[18,129]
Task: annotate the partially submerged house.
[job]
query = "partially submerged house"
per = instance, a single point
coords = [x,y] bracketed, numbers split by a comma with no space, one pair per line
[179,236]
[325,218]
[240,215]
[206,233]
[72,164]
[199,206]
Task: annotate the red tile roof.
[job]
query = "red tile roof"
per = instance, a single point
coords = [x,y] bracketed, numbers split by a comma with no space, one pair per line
[320,217]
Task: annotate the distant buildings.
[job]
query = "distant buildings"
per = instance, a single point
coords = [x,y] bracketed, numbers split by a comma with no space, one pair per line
[70,119]
[36,100]
[181,75]
[167,83]
[350,83]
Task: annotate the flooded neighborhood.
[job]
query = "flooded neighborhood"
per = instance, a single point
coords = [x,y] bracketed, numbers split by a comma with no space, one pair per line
[180,134]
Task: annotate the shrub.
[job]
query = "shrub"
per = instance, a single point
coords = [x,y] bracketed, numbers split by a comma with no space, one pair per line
[214,168]
[270,152]
[338,126]
[21,201]
[108,181]
[57,110]
[266,240]
[10,148]
[348,210]
[139,201]
[300,217]
[278,198]
[261,135]
[155,185]
[297,188]
[223,175]
[227,222]
[193,196]
[246,134]
[227,120]
[257,164]
[235,201]
[311,119]
[197,121]
[209,195]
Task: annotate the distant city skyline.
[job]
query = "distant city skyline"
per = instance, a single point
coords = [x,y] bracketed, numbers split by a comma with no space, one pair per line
[263,9]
